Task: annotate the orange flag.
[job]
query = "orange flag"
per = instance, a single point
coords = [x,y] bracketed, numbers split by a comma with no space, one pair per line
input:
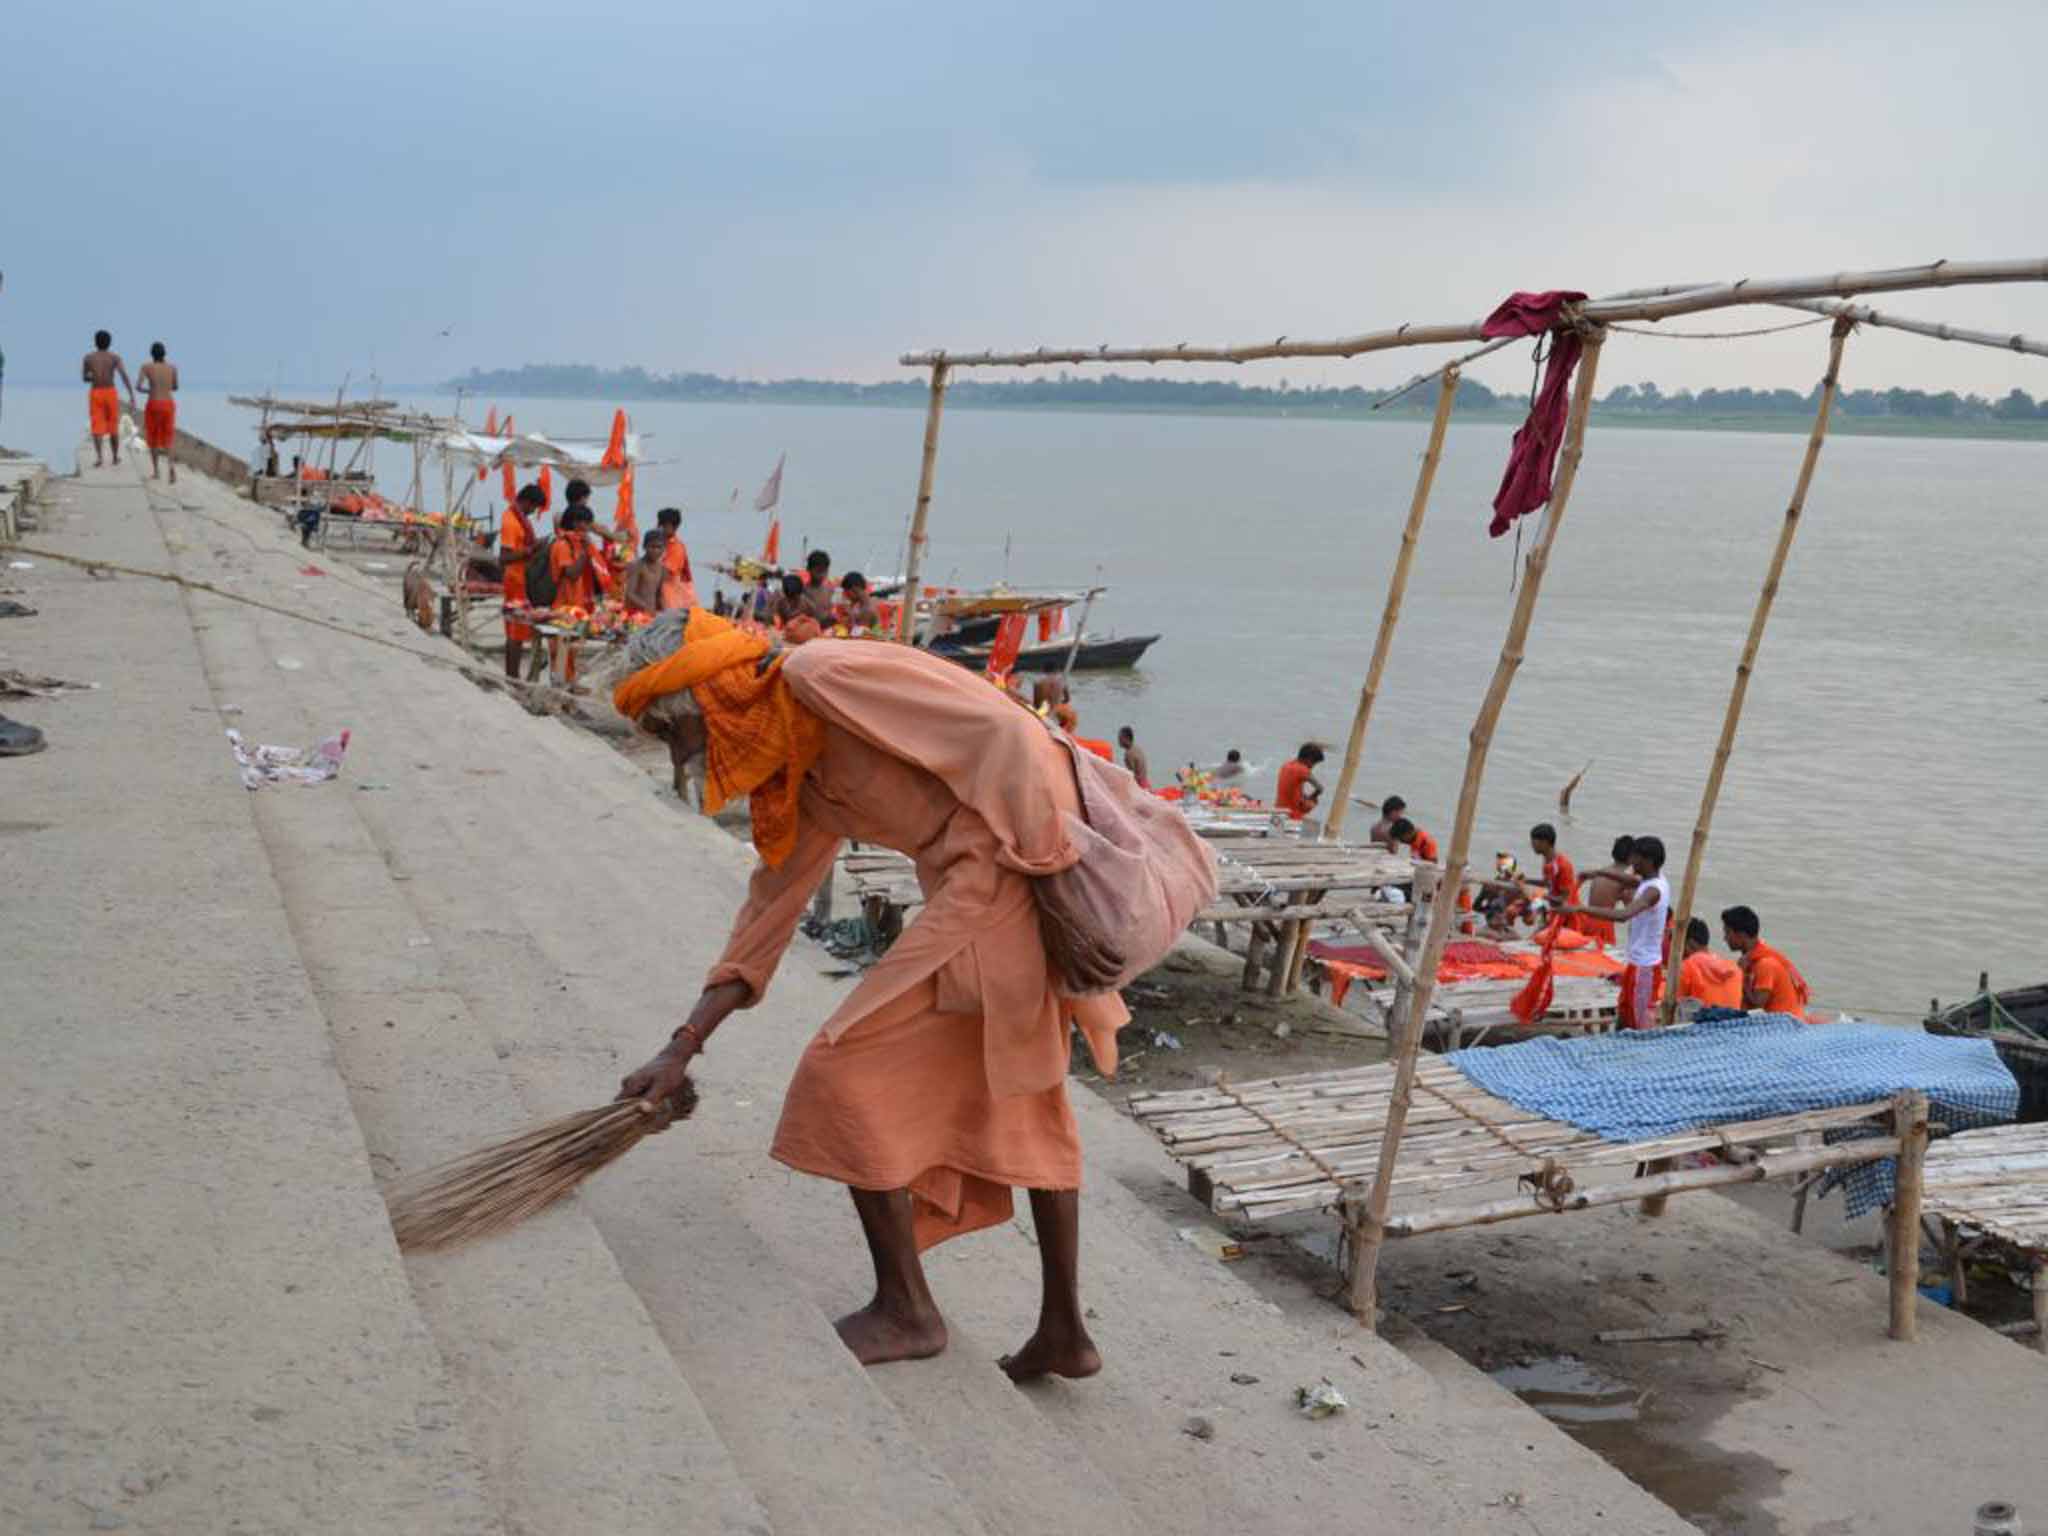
[628,525]
[1009,641]
[615,450]
[547,488]
[511,484]
[771,552]
[491,422]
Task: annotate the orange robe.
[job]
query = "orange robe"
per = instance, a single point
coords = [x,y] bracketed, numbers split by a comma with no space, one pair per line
[580,591]
[945,1069]
[515,545]
[1562,880]
[678,585]
[1294,773]
[1770,973]
[1714,979]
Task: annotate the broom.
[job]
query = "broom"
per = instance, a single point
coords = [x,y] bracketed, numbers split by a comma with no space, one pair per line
[497,1187]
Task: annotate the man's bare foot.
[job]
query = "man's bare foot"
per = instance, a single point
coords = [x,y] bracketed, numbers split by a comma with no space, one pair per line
[1052,1351]
[877,1334]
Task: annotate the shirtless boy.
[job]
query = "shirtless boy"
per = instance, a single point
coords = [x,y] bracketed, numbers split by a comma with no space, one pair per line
[160,416]
[102,402]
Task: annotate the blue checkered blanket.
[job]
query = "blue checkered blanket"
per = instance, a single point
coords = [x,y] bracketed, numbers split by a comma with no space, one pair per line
[1638,1085]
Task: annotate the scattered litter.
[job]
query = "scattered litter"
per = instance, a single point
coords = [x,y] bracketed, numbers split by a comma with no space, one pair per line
[1212,1242]
[21,565]
[375,565]
[418,941]
[1151,997]
[263,765]
[290,664]
[1457,1306]
[1199,1428]
[231,709]
[1507,1501]
[1166,1040]
[311,570]
[1764,1364]
[28,685]
[10,609]
[370,784]
[1243,1379]
[1320,1400]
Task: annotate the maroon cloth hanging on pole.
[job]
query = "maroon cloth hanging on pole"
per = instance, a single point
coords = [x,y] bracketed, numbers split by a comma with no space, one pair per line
[1525,484]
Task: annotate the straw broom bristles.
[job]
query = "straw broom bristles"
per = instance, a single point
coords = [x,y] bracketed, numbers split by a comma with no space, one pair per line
[497,1187]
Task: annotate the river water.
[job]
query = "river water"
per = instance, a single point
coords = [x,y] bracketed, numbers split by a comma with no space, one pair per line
[1884,810]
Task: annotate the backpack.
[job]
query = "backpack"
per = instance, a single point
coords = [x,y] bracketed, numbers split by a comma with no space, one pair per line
[540,575]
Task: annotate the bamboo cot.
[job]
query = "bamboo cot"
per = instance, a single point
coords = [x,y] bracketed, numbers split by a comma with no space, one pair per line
[1367,1220]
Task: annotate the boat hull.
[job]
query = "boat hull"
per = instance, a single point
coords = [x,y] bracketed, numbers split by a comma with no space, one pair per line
[1093,656]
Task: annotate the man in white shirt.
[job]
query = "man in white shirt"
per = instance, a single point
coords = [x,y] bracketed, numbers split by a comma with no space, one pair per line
[1646,914]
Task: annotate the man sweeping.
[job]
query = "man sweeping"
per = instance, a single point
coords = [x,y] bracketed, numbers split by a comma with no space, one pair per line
[939,1084]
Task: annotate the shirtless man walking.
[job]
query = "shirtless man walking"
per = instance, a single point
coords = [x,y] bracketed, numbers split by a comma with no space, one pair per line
[102,402]
[160,416]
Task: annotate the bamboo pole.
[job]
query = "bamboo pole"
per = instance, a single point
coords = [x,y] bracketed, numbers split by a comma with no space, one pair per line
[1383,644]
[2040,1289]
[1658,1185]
[1909,1123]
[1397,589]
[1080,634]
[1368,1226]
[913,573]
[1863,314]
[1758,619]
[1656,304]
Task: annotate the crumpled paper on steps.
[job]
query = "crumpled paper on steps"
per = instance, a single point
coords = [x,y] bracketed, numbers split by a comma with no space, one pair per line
[261,765]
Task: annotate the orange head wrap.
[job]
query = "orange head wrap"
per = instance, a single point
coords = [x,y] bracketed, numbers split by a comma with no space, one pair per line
[759,741]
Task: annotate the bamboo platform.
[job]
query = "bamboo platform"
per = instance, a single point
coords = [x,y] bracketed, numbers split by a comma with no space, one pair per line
[1279,886]
[1289,1145]
[1988,1191]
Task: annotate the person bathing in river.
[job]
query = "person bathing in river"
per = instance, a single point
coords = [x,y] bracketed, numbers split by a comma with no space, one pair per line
[1392,809]
[1645,914]
[1134,757]
[938,1085]
[1232,767]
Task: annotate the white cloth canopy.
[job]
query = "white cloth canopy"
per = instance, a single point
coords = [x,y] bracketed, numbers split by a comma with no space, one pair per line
[581,456]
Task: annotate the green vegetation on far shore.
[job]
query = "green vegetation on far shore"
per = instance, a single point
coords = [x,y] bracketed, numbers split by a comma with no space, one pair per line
[1887,412]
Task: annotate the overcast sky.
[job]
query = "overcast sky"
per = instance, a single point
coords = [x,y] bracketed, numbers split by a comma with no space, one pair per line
[769,188]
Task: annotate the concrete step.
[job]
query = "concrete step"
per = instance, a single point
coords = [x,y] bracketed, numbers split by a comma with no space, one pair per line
[804,1423]
[617,941]
[569,1392]
[206,1322]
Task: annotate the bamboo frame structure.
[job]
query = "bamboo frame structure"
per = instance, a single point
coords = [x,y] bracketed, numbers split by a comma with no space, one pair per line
[1902,1260]
[1745,668]
[1640,304]
[1368,1225]
[1863,314]
[913,565]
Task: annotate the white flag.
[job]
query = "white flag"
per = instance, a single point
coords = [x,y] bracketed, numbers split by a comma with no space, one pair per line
[771,492]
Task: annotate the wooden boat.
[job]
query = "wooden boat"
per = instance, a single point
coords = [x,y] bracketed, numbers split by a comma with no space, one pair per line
[1093,655]
[2016,1024]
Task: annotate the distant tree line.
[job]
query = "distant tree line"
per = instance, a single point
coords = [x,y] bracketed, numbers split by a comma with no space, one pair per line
[1128,392]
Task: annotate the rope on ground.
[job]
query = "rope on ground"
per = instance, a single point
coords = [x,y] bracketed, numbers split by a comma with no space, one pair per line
[468,669]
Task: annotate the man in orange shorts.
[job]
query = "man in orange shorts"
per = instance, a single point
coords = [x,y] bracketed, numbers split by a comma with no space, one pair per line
[516,543]
[160,416]
[102,401]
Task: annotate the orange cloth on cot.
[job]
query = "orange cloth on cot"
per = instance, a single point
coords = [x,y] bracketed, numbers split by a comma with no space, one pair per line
[1714,979]
[1101,749]
[1294,773]
[103,407]
[312,472]
[1784,989]
[578,591]
[160,423]
[944,1070]
[759,740]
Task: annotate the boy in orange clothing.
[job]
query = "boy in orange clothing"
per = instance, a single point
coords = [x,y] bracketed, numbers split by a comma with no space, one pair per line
[575,585]
[102,401]
[1299,792]
[678,582]
[1769,980]
[160,416]
[1715,980]
[516,541]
